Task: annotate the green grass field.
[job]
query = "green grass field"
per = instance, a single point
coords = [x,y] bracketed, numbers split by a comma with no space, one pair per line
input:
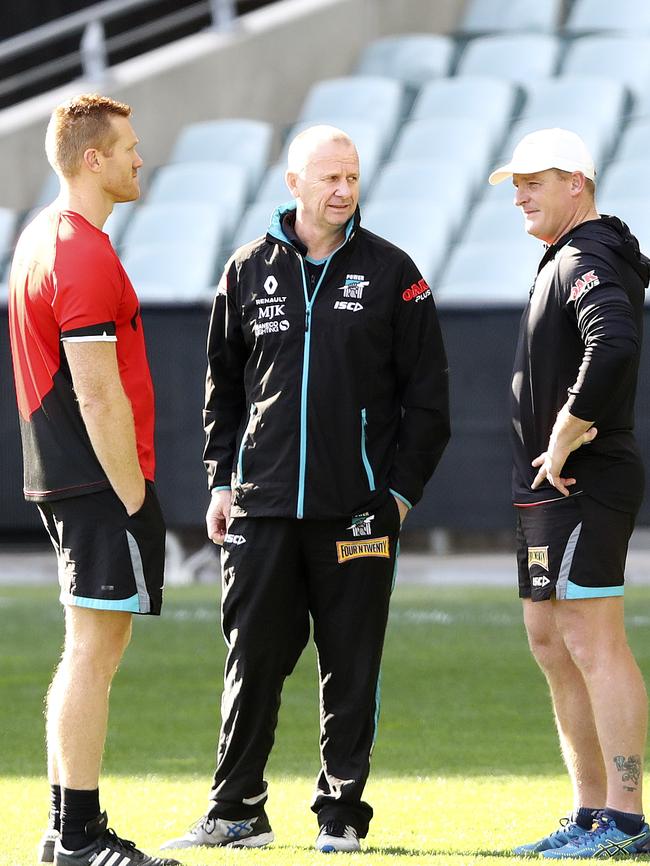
[466,763]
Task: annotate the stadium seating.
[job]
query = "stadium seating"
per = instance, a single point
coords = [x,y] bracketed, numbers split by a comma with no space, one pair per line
[498,222]
[420,228]
[625,178]
[273,188]
[489,273]
[373,99]
[49,190]
[522,58]
[589,16]
[215,183]
[444,183]
[454,138]
[118,220]
[624,59]
[199,223]
[164,272]
[8,225]
[245,142]
[634,143]
[634,211]
[489,101]
[490,16]
[254,223]
[412,59]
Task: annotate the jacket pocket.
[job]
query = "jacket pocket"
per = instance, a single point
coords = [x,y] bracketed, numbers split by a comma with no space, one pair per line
[364,451]
[245,440]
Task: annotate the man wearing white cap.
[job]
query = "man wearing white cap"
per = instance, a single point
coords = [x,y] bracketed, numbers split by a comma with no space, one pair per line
[577,486]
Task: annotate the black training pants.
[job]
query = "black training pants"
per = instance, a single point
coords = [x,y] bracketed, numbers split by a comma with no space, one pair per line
[276,573]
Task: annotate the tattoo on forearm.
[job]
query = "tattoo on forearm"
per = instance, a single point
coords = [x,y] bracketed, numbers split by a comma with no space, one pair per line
[630,768]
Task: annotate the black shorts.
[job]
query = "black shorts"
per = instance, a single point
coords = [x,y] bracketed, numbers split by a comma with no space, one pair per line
[106,559]
[574,547]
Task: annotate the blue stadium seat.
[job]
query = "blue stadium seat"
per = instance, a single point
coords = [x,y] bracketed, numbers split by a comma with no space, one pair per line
[596,97]
[413,59]
[452,138]
[372,99]
[522,58]
[489,273]
[634,211]
[273,188]
[490,16]
[171,273]
[254,223]
[8,227]
[177,223]
[490,101]
[49,190]
[626,178]
[118,220]
[421,229]
[634,142]
[624,59]
[245,142]
[443,183]
[215,183]
[498,221]
[624,16]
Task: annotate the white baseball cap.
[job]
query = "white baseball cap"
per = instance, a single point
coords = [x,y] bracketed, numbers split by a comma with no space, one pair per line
[547,148]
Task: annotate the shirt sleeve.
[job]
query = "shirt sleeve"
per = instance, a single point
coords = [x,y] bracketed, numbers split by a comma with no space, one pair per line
[422,377]
[594,297]
[87,295]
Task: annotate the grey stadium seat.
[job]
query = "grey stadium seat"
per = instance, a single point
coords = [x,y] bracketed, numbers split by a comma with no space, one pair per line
[245,142]
[169,273]
[634,211]
[627,60]
[491,101]
[413,58]
[452,138]
[627,16]
[483,16]
[629,178]
[445,183]
[118,220]
[498,222]
[216,183]
[420,229]
[373,99]
[522,58]
[199,223]
[254,223]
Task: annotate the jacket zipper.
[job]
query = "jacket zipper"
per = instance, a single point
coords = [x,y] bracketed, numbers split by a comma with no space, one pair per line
[364,452]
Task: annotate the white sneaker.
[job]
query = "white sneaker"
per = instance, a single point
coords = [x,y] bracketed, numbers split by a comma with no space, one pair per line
[336,836]
[223,832]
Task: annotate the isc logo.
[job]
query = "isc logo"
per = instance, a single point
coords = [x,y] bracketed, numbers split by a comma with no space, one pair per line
[353,306]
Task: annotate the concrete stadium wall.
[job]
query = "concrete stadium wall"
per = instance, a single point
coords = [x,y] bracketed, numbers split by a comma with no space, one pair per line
[261,69]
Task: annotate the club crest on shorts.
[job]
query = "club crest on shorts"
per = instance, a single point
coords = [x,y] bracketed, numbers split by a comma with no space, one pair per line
[538,556]
[360,524]
[346,550]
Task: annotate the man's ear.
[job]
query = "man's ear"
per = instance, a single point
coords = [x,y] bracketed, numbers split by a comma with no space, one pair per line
[91,159]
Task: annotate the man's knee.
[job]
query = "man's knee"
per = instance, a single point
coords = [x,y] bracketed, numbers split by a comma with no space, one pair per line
[96,638]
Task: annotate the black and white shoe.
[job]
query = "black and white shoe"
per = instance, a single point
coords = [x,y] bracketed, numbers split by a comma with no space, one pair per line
[106,848]
[336,836]
[225,832]
[46,846]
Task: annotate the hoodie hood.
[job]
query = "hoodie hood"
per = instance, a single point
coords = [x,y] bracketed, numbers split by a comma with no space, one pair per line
[283,218]
[615,234]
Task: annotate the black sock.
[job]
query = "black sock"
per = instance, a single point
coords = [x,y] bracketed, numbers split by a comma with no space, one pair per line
[585,817]
[628,822]
[79,807]
[55,807]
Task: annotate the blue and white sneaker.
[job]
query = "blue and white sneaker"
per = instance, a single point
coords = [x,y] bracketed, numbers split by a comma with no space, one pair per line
[567,832]
[335,836]
[604,842]
[223,832]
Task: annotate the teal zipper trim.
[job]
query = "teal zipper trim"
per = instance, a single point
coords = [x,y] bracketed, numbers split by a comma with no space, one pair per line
[364,452]
[302,471]
[240,455]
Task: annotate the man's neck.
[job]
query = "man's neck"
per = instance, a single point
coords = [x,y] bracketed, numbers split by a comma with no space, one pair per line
[87,202]
[581,216]
[320,244]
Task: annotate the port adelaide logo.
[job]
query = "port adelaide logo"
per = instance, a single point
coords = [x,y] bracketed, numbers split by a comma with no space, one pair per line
[352,293]
[361,524]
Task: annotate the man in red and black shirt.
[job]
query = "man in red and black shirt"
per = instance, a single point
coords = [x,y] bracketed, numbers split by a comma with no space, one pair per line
[578,484]
[85,400]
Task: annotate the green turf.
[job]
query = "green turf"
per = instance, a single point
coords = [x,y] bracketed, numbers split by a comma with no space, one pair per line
[465,759]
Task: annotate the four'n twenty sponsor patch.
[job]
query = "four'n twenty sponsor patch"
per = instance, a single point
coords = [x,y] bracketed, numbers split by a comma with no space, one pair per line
[538,556]
[346,550]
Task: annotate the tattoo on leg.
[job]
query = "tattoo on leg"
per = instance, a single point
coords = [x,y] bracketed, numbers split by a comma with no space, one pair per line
[631,770]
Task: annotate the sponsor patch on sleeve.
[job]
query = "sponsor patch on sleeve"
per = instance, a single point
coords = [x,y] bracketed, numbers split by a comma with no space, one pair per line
[583,284]
[346,550]
[417,292]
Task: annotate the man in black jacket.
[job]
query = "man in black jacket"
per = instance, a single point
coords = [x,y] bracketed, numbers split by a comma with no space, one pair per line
[578,484]
[326,413]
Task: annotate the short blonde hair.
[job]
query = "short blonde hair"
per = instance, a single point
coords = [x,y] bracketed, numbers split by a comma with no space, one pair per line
[76,125]
[309,140]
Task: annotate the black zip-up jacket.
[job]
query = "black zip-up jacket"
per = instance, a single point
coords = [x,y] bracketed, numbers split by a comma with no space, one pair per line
[580,340]
[323,395]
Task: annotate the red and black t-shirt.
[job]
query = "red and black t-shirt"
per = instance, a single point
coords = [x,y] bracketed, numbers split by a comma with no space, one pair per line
[67,283]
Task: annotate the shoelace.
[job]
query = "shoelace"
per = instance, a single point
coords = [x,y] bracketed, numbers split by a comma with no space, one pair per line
[129,847]
[601,827]
[334,828]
